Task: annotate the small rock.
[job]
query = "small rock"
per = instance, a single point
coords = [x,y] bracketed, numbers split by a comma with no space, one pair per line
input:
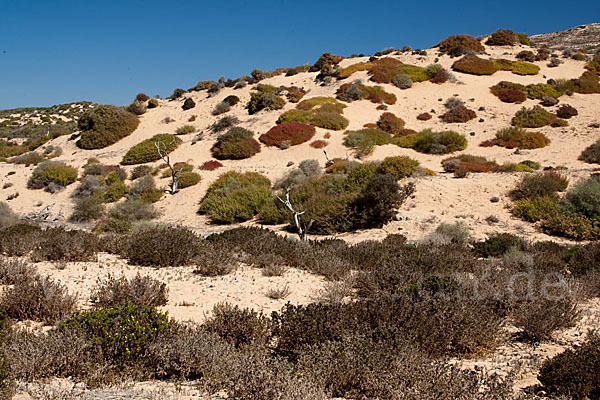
[595,125]
[290,163]
[440,99]
[495,199]
[481,120]
[472,133]
[482,108]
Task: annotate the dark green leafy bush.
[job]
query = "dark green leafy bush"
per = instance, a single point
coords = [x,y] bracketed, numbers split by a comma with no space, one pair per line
[187,179]
[399,167]
[458,45]
[514,137]
[591,154]
[105,125]
[541,184]
[265,97]
[237,144]
[502,37]
[535,117]
[236,197]
[584,197]
[496,246]
[146,151]
[444,142]
[49,172]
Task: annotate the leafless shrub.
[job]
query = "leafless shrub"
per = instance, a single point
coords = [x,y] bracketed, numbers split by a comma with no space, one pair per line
[278,293]
[139,290]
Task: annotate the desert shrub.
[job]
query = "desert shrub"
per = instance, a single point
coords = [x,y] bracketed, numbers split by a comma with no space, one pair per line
[591,154]
[535,209]
[573,372]
[424,116]
[123,332]
[293,133]
[210,165]
[19,239]
[152,103]
[322,112]
[238,326]
[523,68]
[59,244]
[142,97]
[502,37]
[458,45]
[402,81]
[441,76]
[539,90]
[566,111]
[514,137]
[235,197]
[512,96]
[137,108]
[457,233]
[444,142]
[294,94]
[86,209]
[349,70]
[364,140]
[587,83]
[264,97]
[144,189]
[188,104]
[161,246]
[306,169]
[221,108]
[187,179]
[458,114]
[139,290]
[574,226]
[535,117]
[399,167]
[224,123]
[37,298]
[496,246]
[470,163]
[177,93]
[7,216]
[237,144]
[432,69]
[146,151]
[140,171]
[541,184]
[30,158]
[49,172]
[318,144]
[104,125]
[390,123]
[526,55]
[584,197]
[183,166]
[133,210]
[357,91]
[185,129]
[471,64]
[505,85]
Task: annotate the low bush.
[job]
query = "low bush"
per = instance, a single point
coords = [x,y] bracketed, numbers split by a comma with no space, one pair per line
[238,326]
[210,165]
[470,163]
[322,112]
[349,70]
[503,37]
[512,96]
[522,68]
[105,125]
[177,93]
[235,197]
[390,123]
[458,114]
[364,140]
[526,55]
[399,167]
[566,111]
[142,97]
[357,91]
[573,372]
[539,90]
[441,76]
[30,158]
[591,154]
[185,129]
[536,208]
[571,225]
[7,216]
[402,81]
[514,137]
[458,45]
[541,184]
[288,134]
[264,97]
[237,144]
[133,210]
[224,123]
[584,197]
[146,151]
[497,245]
[444,142]
[587,83]
[59,244]
[318,144]
[86,209]
[535,117]
[232,100]
[294,94]
[144,189]
[187,179]
[51,172]
[471,64]
[424,116]
[137,108]
[161,246]
[153,103]
[221,108]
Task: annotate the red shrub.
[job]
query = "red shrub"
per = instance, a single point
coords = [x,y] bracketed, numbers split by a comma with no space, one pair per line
[475,65]
[210,165]
[389,123]
[384,70]
[441,76]
[424,117]
[458,114]
[512,96]
[566,111]
[288,133]
[142,97]
[318,144]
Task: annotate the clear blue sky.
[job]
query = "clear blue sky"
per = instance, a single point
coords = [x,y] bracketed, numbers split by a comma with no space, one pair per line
[53,52]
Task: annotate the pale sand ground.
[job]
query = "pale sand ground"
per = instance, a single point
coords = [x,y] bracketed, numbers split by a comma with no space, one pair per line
[440,198]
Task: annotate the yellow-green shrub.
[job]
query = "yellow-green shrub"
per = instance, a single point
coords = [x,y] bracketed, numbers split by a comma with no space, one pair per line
[51,172]
[146,151]
[105,125]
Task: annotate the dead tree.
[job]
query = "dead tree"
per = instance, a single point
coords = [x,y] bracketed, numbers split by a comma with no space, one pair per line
[331,162]
[302,230]
[163,152]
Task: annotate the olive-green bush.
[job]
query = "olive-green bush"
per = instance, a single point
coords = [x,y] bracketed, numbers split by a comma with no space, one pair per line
[146,151]
[49,172]
[105,125]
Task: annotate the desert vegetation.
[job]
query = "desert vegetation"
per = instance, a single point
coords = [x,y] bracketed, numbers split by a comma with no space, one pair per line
[105,125]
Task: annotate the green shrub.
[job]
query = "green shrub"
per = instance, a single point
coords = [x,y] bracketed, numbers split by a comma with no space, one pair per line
[591,154]
[584,197]
[237,144]
[496,246]
[523,68]
[49,172]
[87,209]
[502,37]
[7,216]
[402,81]
[535,209]
[133,210]
[535,117]
[161,246]
[457,45]
[365,140]
[357,91]
[187,179]
[471,64]
[514,137]
[137,107]
[144,189]
[399,167]
[152,103]
[349,70]
[432,69]
[542,184]
[265,97]
[31,158]
[123,333]
[572,225]
[232,100]
[185,129]
[523,39]
[235,197]
[105,125]
[444,142]
[573,373]
[146,151]
[238,326]
[322,112]
[114,192]
[539,90]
